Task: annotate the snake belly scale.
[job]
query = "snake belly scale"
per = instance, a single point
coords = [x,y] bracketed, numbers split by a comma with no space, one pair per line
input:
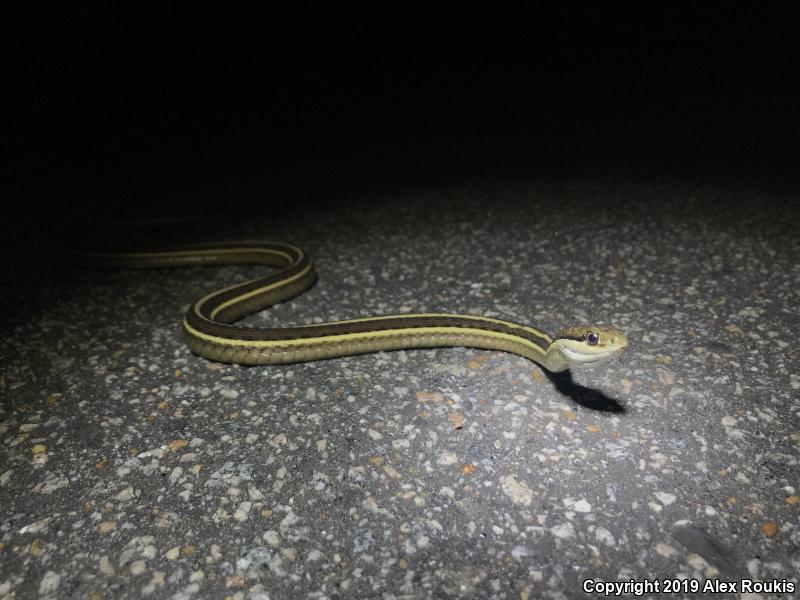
[211,332]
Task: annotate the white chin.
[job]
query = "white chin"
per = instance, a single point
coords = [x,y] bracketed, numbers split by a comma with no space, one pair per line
[576,359]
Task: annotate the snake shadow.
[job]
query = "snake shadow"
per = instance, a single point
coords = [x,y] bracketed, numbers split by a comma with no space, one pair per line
[586,397]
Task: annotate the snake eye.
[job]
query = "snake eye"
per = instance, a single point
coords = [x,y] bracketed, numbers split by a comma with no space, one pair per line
[592,339]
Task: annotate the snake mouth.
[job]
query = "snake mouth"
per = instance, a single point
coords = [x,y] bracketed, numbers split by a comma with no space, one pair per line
[580,359]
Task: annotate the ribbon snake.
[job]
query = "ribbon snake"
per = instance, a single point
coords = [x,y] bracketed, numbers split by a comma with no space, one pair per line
[211,331]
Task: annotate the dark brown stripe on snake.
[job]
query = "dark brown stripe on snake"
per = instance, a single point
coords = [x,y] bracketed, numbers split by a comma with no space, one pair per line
[373,324]
[207,308]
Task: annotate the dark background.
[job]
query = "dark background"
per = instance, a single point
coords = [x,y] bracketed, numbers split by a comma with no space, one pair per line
[176,108]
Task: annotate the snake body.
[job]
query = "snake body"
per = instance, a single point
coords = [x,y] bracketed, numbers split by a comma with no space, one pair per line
[209,323]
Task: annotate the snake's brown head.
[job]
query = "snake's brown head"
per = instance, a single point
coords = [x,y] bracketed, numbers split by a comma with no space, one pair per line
[588,344]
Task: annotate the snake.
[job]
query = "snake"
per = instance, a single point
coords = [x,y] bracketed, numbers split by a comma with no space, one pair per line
[211,331]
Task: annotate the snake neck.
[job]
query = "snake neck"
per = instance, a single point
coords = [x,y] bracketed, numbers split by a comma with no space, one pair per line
[554,360]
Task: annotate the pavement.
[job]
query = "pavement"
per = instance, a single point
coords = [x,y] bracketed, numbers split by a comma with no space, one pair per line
[131,468]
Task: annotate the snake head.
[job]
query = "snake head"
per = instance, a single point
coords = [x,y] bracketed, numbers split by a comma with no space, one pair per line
[588,344]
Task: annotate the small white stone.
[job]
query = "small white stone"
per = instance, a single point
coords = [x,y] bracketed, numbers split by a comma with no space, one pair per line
[6,477]
[51,484]
[215,554]
[520,552]
[375,435]
[105,566]
[289,554]
[197,577]
[564,531]
[699,564]
[220,515]
[272,538]
[445,491]
[657,460]
[605,536]
[391,472]
[728,421]
[37,526]
[447,458]
[754,568]
[665,550]
[138,567]
[290,519]
[518,492]
[665,498]
[254,493]
[176,474]
[49,583]
[582,506]
[243,511]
